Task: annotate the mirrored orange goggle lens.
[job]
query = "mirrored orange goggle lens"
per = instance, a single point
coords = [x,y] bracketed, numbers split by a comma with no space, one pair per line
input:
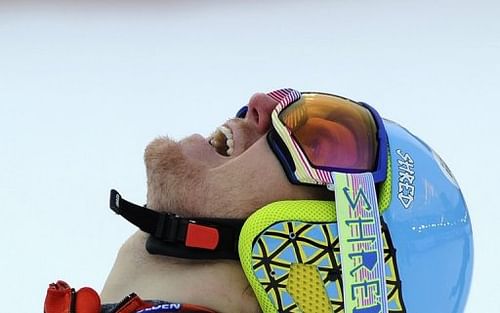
[333,132]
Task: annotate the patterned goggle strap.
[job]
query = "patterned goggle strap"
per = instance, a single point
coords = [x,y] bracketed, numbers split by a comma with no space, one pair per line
[361,245]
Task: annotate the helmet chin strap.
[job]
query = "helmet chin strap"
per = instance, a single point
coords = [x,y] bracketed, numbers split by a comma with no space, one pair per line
[172,235]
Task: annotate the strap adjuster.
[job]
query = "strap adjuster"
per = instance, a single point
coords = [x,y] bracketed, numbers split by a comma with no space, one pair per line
[166,228]
[200,236]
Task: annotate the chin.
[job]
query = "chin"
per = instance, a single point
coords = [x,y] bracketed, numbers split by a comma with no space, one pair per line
[172,176]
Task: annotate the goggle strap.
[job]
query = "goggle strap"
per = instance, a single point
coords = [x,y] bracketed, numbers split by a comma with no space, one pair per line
[361,243]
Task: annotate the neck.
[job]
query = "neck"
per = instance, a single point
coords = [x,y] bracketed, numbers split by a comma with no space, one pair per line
[219,285]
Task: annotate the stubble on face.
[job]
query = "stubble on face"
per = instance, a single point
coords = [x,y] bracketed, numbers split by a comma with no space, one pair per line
[188,177]
[235,188]
[174,181]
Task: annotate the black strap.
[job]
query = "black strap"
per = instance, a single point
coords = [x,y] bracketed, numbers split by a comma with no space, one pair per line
[177,236]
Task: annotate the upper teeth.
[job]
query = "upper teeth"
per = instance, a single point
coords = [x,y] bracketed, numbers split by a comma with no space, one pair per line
[226,131]
[229,144]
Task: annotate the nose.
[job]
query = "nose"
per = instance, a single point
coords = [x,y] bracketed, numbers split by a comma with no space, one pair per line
[259,111]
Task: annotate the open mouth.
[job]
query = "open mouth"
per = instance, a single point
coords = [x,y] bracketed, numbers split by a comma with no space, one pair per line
[222,141]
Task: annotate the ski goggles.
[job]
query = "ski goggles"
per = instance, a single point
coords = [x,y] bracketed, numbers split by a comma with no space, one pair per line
[316,134]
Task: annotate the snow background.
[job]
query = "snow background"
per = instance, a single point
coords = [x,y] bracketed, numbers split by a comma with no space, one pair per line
[84,86]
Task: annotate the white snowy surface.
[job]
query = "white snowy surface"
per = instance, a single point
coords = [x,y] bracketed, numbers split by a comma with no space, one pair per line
[85,86]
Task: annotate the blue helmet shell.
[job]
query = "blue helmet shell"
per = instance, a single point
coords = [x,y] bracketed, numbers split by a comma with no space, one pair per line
[429,225]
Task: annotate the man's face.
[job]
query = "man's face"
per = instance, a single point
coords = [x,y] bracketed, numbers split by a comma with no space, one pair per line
[230,174]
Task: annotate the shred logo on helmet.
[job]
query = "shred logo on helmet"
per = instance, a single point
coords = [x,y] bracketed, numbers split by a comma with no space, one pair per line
[291,252]
[406,176]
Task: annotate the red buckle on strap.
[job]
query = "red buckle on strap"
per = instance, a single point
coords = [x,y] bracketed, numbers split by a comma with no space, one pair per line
[199,236]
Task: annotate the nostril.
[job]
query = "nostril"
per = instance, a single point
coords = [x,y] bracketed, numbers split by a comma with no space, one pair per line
[255,115]
[260,107]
